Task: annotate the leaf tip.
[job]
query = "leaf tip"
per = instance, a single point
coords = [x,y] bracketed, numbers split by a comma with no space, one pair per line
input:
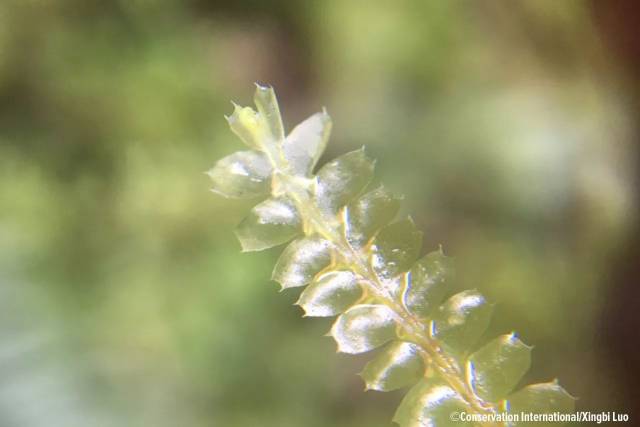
[234,115]
[514,338]
[246,243]
[556,382]
[262,86]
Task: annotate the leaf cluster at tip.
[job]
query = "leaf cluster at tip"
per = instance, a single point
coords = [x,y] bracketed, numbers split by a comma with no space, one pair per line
[356,263]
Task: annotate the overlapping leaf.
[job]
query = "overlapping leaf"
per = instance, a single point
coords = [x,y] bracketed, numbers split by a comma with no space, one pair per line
[495,369]
[242,174]
[543,398]
[426,283]
[431,402]
[395,248]
[270,223]
[363,328]
[342,179]
[368,214]
[399,365]
[461,320]
[361,267]
[304,145]
[331,294]
[301,261]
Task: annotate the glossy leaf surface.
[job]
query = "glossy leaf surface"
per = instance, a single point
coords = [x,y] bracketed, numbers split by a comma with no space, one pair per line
[366,215]
[540,399]
[305,144]
[247,124]
[331,294]
[430,403]
[301,261]
[241,174]
[495,369]
[395,248]
[269,114]
[270,223]
[342,179]
[427,283]
[364,269]
[461,320]
[363,328]
[399,365]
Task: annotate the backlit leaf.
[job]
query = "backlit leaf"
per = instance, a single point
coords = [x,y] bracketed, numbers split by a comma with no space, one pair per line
[427,283]
[495,369]
[430,403]
[342,179]
[461,320]
[363,328]
[366,215]
[246,123]
[331,294]
[358,264]
[267,104]
[305,143]
[241,174]
[399,365]
[543,398]
[301,261]
[395,248]
[270,223]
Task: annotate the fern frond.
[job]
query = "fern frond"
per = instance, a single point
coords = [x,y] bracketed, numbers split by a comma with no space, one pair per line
[358,264]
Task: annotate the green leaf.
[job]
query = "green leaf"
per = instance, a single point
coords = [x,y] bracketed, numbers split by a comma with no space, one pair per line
[247,124]
[241,174]
[366,215]
[395,248]
[306,142]
[426,283]
[267,104]
[495,369]
[331,294]
[461,320]
[342,179]
[430,403]
[270,223]
[359,265]
[540,398]
[301,261]
[363,328]
[399,365]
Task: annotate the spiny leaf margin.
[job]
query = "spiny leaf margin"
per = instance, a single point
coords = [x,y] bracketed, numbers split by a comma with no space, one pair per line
[362,267]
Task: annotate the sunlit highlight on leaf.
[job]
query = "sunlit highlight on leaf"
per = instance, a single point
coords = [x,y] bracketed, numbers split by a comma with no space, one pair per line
[361,266]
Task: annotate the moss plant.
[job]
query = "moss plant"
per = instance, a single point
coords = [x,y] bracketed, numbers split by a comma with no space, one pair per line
[356,263]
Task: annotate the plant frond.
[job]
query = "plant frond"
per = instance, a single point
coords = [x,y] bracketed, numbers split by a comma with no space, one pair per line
[360,265]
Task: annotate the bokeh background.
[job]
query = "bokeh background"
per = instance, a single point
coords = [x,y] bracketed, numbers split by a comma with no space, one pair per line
[510,127]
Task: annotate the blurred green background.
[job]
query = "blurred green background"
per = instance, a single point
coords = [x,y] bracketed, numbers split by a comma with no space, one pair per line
[124,298]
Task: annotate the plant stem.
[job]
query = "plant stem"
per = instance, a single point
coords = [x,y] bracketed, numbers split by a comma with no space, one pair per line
[299,189]
[447,367]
